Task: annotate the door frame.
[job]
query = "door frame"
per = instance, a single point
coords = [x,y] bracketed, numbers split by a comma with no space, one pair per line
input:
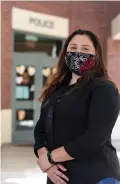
[12,76]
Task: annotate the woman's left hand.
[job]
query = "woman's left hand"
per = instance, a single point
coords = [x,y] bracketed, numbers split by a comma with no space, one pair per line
[43,162]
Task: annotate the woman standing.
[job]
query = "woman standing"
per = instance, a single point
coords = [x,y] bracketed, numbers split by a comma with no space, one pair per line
[79,110]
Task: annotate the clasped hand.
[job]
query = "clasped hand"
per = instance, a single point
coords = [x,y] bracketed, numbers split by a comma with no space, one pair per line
[53,171]
[43,162]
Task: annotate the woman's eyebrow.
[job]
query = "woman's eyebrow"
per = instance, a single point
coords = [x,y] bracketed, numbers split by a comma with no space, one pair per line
[82,45]
[86,45]
[73,44]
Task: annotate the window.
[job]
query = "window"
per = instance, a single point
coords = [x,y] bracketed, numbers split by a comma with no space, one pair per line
[25,82]
[29,43]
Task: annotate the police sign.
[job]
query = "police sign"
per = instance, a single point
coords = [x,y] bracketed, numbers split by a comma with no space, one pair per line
[41,23]
[34,22]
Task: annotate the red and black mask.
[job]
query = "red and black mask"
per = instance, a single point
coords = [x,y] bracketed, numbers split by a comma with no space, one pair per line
[79,62]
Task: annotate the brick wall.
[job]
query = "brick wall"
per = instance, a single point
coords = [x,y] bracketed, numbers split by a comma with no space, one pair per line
[84,15]
[113,47]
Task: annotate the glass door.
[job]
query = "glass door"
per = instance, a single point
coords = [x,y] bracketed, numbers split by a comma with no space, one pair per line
[29,72]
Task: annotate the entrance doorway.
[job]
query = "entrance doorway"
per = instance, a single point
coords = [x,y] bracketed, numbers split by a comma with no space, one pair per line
[33,60]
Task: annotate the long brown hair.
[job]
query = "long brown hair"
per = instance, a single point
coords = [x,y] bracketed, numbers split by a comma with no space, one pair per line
[63,74]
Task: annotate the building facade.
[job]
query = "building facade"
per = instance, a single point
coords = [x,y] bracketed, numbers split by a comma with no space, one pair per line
[32,36]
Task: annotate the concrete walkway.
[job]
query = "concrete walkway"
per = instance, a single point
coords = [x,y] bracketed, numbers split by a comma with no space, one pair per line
[19,166]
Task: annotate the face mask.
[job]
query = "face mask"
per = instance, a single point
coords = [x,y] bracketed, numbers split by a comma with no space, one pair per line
[79,62]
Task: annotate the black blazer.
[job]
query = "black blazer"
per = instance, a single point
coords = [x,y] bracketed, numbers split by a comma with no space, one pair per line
[82,120]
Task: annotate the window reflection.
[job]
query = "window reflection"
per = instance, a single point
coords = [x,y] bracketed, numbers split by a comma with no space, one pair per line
[25,87]
[24,118]
[46,72]
[32,43]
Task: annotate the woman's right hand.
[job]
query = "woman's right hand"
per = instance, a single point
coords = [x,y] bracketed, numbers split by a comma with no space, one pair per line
[56,176]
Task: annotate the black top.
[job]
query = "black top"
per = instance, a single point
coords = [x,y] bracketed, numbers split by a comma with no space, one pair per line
[82,120]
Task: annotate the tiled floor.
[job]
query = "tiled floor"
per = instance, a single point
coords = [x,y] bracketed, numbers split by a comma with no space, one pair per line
[19,166]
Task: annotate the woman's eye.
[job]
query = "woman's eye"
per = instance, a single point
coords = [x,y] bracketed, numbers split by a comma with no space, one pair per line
[86,49]
[73,48]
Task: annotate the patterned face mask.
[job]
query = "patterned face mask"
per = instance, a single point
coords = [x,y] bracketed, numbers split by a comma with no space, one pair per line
[79,62]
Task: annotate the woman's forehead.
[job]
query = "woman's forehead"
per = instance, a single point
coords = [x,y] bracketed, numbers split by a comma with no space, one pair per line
[81,40]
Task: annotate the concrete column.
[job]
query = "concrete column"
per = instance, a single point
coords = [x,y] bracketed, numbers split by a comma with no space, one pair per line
[116,28]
